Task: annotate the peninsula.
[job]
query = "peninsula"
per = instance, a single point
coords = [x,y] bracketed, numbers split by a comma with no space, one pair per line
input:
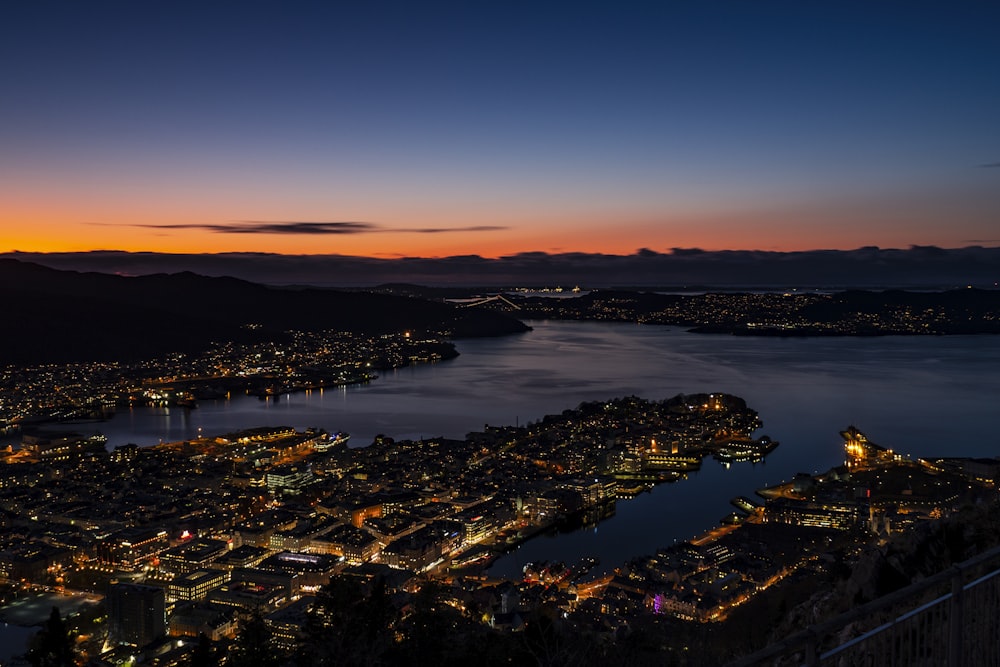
[783,313]
[279,526]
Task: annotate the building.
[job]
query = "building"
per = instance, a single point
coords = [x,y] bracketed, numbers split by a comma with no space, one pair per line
[57,446]
[863,454]
[593,490]
[32,561]
[289,479]
[241,557]
[130,547]
[136,614]
[356,545]
[838,515]
[249,597]
[287,623]
[192,555]
[197,584]
[310,569]
[420,548]
[196,619]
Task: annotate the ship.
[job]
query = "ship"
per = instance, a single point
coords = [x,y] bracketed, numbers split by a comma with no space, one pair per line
[331,441]
[744,450]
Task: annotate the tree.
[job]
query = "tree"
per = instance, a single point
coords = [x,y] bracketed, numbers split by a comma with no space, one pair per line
[204,654]
[53,646]
[435,633]
[253,646]
[347,626]
[553,643]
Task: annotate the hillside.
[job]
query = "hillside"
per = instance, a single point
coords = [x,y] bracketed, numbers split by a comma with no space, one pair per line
[53,316]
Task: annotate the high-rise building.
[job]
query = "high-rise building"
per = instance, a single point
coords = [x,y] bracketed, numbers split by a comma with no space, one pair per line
[136,614]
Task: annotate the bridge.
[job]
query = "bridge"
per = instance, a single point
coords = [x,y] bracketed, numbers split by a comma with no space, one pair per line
[479,301]
[951,619]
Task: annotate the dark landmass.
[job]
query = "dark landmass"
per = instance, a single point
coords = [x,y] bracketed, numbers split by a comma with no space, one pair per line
[851,313]
[53,316]
[917,267]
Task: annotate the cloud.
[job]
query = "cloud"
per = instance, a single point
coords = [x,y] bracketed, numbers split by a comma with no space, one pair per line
[276,227]
[687,252]
[296,227]
[317,228]
[991,165]
[442,230]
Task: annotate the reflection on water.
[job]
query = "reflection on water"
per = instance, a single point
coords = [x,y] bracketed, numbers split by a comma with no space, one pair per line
[920,396]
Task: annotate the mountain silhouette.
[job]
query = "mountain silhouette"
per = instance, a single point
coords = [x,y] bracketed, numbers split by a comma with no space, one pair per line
[53,316]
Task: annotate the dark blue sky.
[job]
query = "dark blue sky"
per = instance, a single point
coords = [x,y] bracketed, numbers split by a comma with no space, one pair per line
[493,128]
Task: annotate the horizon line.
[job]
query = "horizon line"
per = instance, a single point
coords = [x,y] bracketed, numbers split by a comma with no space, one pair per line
[640,252]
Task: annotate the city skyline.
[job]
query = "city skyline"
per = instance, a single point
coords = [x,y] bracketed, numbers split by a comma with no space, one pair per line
[448,332]
[444,130]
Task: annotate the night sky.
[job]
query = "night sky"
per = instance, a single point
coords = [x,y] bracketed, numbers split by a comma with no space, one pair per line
[493,128]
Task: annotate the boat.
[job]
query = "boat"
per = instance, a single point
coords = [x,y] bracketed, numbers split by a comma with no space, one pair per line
[744,504]
[744,450]
[331,441]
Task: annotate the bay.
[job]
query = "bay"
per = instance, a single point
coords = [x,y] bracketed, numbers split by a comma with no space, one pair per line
[921,396]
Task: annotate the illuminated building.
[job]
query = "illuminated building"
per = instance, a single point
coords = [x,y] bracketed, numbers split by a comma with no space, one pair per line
[130,547]
[311,569]
[983,470]
[668,461]
[286,624]
[356,545]
[200,619]
[258,530]
[196,585]
[192,555]
[862,453]
[244,556]
[419,549]
[124,453]
[593,490]
[839,515]
[477,523]
[290,479]
[684,607]
[623,461]
[398,501]
[553,503]
[248,596]
[58,446]
[365,511]
[32,560]
[290,583]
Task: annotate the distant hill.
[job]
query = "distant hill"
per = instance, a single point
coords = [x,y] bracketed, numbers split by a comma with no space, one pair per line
[850,313]
[52,316]
[917,267]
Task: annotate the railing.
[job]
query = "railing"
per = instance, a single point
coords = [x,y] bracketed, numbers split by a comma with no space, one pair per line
[953,620]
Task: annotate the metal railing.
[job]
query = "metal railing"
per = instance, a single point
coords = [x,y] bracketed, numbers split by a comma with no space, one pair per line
[953,620]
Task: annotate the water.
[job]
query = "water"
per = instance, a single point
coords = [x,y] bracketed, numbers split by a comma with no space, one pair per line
[918,395]
[23,618]
[14,640]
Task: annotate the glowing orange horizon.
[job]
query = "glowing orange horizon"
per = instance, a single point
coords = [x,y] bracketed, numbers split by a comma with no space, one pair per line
[552,234]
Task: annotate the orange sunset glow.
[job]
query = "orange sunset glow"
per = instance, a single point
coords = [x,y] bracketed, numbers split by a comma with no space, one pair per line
[599,133]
